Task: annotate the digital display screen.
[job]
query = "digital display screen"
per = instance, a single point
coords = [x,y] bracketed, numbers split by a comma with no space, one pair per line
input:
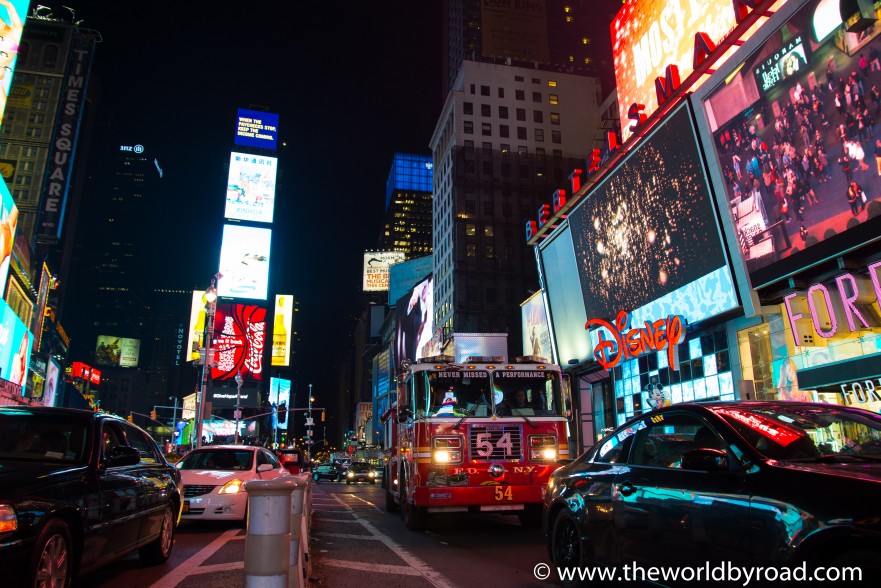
[647,239]
[239,340]
[414,313]
[8,226]
[244,262]
[12,14]
[280,399]
[790,142]
[117,351]
[256,129]
[376,269]
[16,342]
[250,189]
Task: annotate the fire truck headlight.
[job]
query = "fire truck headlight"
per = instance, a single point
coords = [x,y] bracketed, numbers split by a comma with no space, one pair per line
[549,453]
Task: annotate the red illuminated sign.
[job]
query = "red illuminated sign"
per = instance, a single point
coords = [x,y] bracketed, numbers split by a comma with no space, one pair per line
[770,428]
[239,340]
[82,371]
[627,343]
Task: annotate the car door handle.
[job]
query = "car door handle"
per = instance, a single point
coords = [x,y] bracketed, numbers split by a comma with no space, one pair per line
[626,488]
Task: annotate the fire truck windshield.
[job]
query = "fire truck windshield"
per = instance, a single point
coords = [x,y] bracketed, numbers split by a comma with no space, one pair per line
[454,393]
[527,393]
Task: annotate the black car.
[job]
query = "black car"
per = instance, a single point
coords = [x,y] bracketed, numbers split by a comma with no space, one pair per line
[752,483]
[327,471]
[79,489]
[361,471]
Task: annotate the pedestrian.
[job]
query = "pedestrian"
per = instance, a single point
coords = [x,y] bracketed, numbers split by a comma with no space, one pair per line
[874,64]
[803,233]
[864,64]
[878,155]
[856,197]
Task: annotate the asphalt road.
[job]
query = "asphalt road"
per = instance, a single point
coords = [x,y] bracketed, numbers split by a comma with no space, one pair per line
[354,542]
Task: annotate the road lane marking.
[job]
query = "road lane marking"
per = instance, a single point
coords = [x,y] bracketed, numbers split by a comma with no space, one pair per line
[348,536]
[190,566]
[423,569]
[370,567]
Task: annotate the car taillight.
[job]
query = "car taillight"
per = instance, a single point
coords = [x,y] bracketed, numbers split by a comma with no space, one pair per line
[8,522]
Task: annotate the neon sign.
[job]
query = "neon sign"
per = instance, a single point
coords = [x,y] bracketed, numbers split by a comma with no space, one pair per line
[627,343]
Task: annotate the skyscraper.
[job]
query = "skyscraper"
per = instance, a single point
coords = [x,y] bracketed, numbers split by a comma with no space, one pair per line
[407,223]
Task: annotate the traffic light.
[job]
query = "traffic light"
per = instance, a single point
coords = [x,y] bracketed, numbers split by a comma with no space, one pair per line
[129,419]
[153,414]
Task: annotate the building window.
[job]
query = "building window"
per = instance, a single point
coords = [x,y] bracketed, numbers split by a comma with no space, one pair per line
[471,250]
[468,108]
[486,129]
[470,230]
[538,117]
[485,110]
[50,56]
[487,168]
[539,135]
[484,90]
[504,131]
[521,133]
[556,137]
[487,145]
[523,150]
[469,127]
[490,251]
[536,81]
[469,145]
[557,153]
[506,170]
[491,295]
[552,83]
[472,88]
[521,114]
[540,151]
[505,148]
[536,97]
[555,118]
[519,95]
[503,112]
[553,99]
[488,231]
[518,78]
[488,208]
[501,92]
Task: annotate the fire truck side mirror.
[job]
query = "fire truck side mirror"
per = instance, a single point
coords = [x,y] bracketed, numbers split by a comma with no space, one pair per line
[567,396]
[404,415]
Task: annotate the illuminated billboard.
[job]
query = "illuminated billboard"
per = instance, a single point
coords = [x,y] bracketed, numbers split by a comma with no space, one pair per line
[50,388]
[647,239]
[534,320]
[8,225]
[250,188]
[256,129]
[281,330]
[244,262]
[12,14]
[239,340]
[649,35]
[117,351]
[15,347]
[376,269]
[196,332]
[413,313]
[788,198]
[280,399]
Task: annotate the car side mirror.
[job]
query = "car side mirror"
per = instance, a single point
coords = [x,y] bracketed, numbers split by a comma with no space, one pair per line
[708,460]
[264,467]
[122,455]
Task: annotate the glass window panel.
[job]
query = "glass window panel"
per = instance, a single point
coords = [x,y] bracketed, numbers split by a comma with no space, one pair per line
[709,365]
[688,391]
[700,389]
[726,384]
[676,393]
[694,347]
[712,387]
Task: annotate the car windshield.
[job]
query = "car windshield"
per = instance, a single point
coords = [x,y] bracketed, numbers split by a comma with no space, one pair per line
[35,436]
[360,467]
[805,431]
[217,459]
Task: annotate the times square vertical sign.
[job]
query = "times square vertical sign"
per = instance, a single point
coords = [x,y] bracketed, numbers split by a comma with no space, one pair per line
[62,149]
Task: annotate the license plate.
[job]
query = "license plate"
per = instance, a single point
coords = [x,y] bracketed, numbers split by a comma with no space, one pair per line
[186,505]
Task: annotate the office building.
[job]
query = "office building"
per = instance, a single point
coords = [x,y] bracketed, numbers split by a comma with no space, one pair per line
[407,223]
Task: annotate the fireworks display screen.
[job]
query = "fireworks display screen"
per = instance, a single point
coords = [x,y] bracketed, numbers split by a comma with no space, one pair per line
[647,239]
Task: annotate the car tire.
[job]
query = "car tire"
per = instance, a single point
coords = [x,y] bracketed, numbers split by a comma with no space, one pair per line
[390,504]
[52,557]
[566,546]
[159,550]
[415,517]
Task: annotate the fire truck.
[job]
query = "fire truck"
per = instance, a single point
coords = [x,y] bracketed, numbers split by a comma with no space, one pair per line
[481,435]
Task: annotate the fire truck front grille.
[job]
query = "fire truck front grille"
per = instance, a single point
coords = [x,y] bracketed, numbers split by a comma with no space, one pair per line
[496,442]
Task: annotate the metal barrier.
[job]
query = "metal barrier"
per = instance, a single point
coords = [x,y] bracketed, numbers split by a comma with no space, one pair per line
[277,541]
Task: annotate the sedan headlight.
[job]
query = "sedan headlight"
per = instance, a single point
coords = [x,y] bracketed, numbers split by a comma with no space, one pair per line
[8,522]
[350,475]
[232,487]
[371,475]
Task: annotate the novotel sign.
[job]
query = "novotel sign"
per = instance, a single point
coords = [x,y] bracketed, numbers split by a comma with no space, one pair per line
[849,291]
[663,27]
[629,343]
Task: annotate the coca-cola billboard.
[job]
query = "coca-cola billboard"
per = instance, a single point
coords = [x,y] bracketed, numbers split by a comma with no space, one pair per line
[239,340]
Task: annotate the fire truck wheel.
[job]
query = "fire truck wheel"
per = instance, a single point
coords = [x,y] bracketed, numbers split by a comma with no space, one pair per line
[531,516]
[414,517]
[390,504]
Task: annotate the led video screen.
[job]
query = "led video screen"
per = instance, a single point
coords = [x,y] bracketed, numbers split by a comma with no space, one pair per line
[281,329]
[534,321]
[12,15]
[250,188]
[117,351]
[244,262]
[15,347]
[239,340]
[794,134]
[414,315]
[647,240]
[280,399]
[8,225]
[256,129]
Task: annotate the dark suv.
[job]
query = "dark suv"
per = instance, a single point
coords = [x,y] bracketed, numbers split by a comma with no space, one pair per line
[79,489]
[327,471]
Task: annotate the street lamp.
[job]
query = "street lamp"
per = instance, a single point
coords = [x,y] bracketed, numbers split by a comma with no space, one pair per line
[238,412]
[211,308]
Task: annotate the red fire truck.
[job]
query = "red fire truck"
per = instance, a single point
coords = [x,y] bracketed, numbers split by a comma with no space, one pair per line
[481,435]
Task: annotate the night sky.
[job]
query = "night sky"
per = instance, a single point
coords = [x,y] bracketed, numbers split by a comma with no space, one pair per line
[352,86]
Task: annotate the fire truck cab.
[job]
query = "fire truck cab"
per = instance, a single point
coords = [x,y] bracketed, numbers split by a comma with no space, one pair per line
[481,435]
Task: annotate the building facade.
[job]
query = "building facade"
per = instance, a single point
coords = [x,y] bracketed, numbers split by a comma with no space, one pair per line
[407,224]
